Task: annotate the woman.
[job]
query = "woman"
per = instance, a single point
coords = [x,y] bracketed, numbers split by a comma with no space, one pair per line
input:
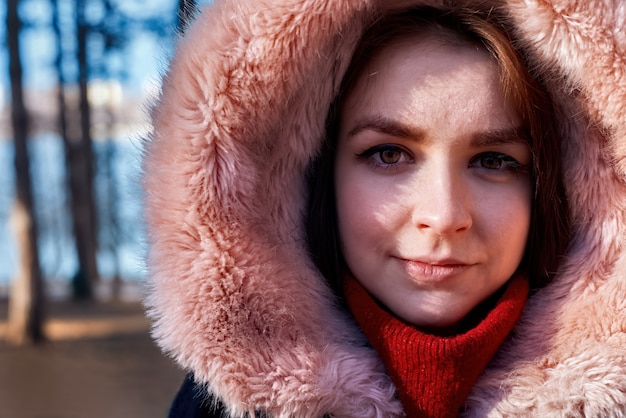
[237,295]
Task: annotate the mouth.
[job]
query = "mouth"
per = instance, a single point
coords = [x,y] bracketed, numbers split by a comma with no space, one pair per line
[434,270]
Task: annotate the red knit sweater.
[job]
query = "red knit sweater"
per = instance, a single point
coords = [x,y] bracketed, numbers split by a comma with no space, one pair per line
[433,375]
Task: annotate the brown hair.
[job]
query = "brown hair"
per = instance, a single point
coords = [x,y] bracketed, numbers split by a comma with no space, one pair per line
[549,231]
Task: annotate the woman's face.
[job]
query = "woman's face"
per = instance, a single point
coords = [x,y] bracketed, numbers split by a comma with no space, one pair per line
[433,183]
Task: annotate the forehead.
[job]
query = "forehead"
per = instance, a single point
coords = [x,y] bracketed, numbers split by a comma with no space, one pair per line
[425,63]
[428,55]
[413,80]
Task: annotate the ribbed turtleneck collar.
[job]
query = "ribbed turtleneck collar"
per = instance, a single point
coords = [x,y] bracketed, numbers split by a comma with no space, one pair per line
[433,375]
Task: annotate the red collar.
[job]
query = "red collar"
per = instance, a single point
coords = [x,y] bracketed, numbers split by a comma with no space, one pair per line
[433,375]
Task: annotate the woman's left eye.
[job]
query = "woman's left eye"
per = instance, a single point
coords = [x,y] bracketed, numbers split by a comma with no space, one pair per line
[496,161]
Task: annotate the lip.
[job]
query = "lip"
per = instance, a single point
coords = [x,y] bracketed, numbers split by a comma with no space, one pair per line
[434,270]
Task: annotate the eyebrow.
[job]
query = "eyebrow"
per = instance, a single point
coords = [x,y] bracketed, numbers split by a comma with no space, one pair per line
[392,127]
[516,135]
[387,126]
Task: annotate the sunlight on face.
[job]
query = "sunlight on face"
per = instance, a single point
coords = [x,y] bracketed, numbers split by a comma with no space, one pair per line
[432,181]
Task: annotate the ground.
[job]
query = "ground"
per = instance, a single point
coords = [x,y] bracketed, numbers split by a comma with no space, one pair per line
[99,361]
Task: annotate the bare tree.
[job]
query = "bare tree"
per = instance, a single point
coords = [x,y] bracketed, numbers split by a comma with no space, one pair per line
[26,304]
[74,126]
[85,222]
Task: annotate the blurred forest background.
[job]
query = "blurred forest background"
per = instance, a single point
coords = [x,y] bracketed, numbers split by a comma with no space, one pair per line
[76,80]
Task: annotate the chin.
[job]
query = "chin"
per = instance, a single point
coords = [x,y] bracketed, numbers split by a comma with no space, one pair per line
[442,321]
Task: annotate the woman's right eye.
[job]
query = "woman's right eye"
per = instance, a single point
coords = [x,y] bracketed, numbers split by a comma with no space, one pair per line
[386,155]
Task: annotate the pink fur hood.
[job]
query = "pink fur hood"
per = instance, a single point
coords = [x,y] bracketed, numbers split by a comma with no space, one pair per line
[235,298]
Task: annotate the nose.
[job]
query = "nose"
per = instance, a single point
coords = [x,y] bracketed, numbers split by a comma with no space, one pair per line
[444,205]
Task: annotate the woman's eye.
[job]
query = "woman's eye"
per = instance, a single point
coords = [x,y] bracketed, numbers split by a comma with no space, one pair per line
[390,156]
[492,162]
[385,155]
[496,161]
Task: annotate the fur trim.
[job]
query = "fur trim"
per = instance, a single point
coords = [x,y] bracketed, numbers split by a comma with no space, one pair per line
[234,297]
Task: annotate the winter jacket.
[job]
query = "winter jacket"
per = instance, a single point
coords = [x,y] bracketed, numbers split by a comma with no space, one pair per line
[234,296]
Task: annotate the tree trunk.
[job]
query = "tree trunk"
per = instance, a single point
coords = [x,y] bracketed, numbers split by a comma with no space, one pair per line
[26,304]
[74,124]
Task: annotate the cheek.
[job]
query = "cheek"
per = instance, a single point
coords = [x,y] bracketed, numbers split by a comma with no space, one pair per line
[353,210]
[505,217]
[364,214]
